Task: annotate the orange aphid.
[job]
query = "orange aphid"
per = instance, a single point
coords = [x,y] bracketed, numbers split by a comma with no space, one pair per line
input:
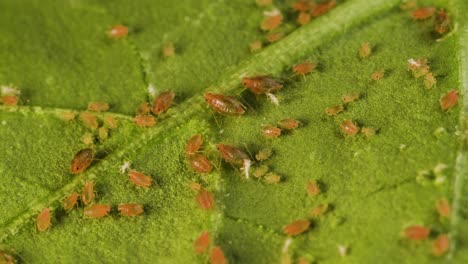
[118,31]
[82,161]
[70,201]
[319,210]
[139,179]
[323,7]
[449,100]
[96,211]
[416,232]
[223,104]
[423,13]
[194,144]
[274,36]
[162,102]
[205,199]
[217,256]
[349,98]
[255,45]
[302,261]
[87,196]
[289,123]
[334,110]
[378,75]
[271,131]
[132,209]
[297,227]
[365,50]
[98,106]
[169,50]
[303,18]
[261,84]
[441,245]
[271,22]
[143,109]
[67,116]
[202,243]
[145,120]
[303,5]
[200,163]
[313,188]
[368,131]
[442,22]
[110,122]
[272,178]
[443,208]
[304,67]
[232,154]
[195,186]
[9,100]
[43,220]
[89,120]
[349,128]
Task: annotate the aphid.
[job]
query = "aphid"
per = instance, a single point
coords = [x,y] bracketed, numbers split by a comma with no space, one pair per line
[303,18]
[272,178]
[87,196]
[289,124]
[9,100]
[67,116]
[319,210]
[349,128]
[449,100]
[168,50]
[416,232]
[409,5]
[223,104]
[303,5]
[70,201]
[264,2]
[7,258]
[274,36]
[103,133]
[272,98]
[255,46]
[423,13]
[89,120]
[205,199]
[200,163]
[193,144]
[82,160]
[271,131]
[323,7]
[117,32]
[342,250]
[334,110]
[271,22]
[232,154]
[96,211]
[304,67]
[365,50]
[98,106]
[162,102]
[195,186]
[87,139]
[260,171]
[43,220]
[429,80]
[378,75]
[443,208]
[264,154]
[368,131]
[132,209]
[145,120]
[418,67]
[125,166]
[261,84]
[441,245]
[348,98]
[313,188]
[217,256]
[110,122]
[143,109]
[442,22]
[202,243]
[139,179]
[296,228]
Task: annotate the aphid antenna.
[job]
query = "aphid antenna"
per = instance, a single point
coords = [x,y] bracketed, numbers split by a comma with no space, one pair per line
[248,106]
[215,119]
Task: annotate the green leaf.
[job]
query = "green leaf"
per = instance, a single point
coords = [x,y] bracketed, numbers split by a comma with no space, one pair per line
[59,56]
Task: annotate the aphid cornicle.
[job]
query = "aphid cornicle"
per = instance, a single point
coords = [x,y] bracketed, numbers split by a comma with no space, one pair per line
[132,209]
[232,154]
[82,161]
[261,84]
[223,104]
[70,201]
[205,199]
[43,220]
[162,103]
[96,211]
[416,232]
[202,243]
[87,195]
[200,163]
[193,144]
[139,179]
[296,228]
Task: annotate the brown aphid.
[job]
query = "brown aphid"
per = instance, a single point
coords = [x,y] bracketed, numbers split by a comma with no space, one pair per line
[441,245]
[289,124]
[261,84]
[217,256]
[271,131]
[323,7]
[110,122]
[232,154]
[96,211]
[118,32]
[272,178]
[205,199]
[87,195]
[416,232]
[296,228]
[334,110]
[264,154]
[9,100]
[303,18]
[348,98]
[255,46]
[313,188]
[423,13]
[7,258]
[429,80]
[143,109]
[319,210]
[418,67]
[304,67]
[139,179]
[223,104]
[442,22]
[200,163]
[89,120]
[82,161]
[98,106]
[67,116]
[365,50]
[303,5]
[168,50]
[162,102]
[202,243]
[349,128]
[443,208]
[378,75]
[193,144]
[43,220]
[274,36]
[70,201]
[132,209]
[145,120]
[449,100]
[271,22]
[260,171]
[368,131]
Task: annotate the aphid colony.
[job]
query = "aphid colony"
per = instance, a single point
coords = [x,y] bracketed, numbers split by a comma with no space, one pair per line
[441,20]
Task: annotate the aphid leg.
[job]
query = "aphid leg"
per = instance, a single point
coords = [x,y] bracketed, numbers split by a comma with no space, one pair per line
[215,119]
[247,105]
